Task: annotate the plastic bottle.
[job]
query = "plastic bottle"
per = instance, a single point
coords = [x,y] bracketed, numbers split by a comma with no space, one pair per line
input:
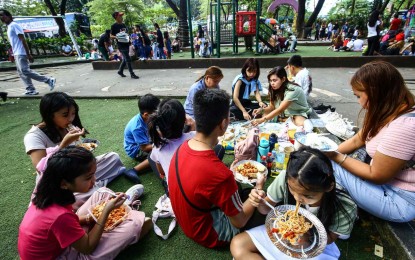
[263,148]
[269,162]
[279,160]
[264,160]
[273,139]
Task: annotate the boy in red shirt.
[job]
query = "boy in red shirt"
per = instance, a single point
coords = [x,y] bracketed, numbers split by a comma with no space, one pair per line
[203,191]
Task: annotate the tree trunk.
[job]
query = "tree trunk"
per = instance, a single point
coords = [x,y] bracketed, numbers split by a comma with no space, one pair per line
[183,29]
[382,9]
[352,7]
[409,4]
[315,13]
[299,26]
[59,21]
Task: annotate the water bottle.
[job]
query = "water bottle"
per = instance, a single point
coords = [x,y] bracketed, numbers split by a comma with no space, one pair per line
[273,139]
[263,149]
[279,160]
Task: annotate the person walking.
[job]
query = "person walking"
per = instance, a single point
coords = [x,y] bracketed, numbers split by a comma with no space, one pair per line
[22,55]
[120,33]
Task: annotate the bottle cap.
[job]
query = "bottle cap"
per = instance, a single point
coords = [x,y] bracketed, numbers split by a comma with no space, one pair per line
[263,157]
[269,154]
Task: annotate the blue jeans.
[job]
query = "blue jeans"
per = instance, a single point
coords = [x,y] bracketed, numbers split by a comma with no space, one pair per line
[383,201]
[161,53]
[26,74]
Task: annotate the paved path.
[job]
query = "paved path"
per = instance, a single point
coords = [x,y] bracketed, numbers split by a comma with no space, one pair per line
[330,86]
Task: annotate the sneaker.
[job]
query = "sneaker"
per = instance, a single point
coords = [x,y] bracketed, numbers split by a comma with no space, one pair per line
[52,82]
[340,129]
[132,175]
[134,193]
[321,106]
[121,74]
[133,76]
[31,93]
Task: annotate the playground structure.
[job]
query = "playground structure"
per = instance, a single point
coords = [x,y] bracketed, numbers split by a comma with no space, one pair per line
[226,24]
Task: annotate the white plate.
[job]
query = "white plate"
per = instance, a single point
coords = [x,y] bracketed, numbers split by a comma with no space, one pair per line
[311,247]
[316,141]
[244,179]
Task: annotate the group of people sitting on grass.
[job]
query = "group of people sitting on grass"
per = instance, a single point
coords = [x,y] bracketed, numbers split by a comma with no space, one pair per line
[180,144]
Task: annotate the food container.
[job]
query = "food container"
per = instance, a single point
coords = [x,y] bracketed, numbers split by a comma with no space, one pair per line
[116,223]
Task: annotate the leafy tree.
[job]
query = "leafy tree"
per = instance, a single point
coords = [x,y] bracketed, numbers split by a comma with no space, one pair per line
[360,14]
[100,12]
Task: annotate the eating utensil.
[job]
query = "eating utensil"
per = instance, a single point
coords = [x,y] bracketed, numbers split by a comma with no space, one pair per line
[111,193]
[269,205]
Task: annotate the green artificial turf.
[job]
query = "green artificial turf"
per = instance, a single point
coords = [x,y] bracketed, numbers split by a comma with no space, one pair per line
[105,120]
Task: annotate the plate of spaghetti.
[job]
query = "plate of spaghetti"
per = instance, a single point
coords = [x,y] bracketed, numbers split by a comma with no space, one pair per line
[116,216]
[246,171]
[296,232]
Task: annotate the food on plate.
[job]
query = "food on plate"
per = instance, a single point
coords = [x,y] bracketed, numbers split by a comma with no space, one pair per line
[291,226]
[318,142]
[114,218]
[249,170]
[88,146]
[228,136]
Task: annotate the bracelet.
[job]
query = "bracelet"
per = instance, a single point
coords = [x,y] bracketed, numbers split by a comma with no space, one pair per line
[344,159]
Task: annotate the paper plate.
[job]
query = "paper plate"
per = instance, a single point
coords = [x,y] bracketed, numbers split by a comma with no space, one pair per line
[89,144]
[319,142]
[310,247]
[243,179]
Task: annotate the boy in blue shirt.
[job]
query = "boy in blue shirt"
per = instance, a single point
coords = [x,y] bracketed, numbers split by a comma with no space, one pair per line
[137,142]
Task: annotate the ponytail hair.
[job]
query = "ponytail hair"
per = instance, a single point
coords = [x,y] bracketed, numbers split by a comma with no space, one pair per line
[213,72]
[314,171]
[167,123]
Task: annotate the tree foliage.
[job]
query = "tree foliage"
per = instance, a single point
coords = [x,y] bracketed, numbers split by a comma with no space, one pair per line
[100,12]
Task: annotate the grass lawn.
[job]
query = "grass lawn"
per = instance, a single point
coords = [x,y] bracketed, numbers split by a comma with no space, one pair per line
[105,120]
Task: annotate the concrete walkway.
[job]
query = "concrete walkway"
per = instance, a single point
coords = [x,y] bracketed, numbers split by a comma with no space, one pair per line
[330,85]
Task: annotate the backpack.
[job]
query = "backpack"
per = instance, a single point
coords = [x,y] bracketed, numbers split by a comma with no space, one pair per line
[247,149]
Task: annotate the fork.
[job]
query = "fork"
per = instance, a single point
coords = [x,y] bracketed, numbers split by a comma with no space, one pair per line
[111,193]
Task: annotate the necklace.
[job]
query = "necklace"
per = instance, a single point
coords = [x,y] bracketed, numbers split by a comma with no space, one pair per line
[203,142]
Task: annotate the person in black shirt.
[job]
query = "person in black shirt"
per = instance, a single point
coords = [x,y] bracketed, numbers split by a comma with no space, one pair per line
[160,42]
[123,47]
[104,43]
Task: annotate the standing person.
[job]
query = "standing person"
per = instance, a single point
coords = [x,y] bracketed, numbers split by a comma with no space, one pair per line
[203,191]
[345,29]
[201,39]
[167,44]
[22,55]
[317,34]
[335,29]
[213,75]
[386,187]
[160,42]
[146,43]
[287,99]
[104,44]
[242,87]
[310,181]
[120,33]
[373,27]
[138,42]
[51,230]
[329,31]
